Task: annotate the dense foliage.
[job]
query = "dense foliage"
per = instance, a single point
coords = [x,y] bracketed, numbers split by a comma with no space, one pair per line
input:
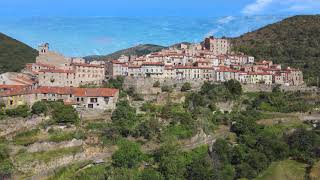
[293,42]
[20,111]
[14,54]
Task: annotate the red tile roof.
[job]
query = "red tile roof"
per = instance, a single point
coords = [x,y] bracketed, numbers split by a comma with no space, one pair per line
[153,64]
[88,65]
[57,71]
[78,92]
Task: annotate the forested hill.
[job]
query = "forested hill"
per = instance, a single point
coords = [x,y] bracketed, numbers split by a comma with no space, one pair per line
[136,50]
[14,54]
[294,41]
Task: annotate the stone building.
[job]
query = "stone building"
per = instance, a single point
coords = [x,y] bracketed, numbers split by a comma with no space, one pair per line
[90,98]
[217,45]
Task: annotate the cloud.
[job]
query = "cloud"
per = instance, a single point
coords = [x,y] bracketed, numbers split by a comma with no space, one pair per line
[282,6]
[256,7]
[225,20]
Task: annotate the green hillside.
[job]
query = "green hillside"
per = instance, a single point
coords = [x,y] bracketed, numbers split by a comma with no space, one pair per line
[14,54]
[294,42]
[136,50]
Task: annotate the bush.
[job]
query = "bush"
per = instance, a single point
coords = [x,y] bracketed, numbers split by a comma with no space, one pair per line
[156,84]
[186,87]
[65,114]
[128,155]
[166,88]
[115,83]
[124,118]
[39,107]
[6,168]
[20,111]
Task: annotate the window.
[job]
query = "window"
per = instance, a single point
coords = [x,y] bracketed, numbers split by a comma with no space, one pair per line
[93,100]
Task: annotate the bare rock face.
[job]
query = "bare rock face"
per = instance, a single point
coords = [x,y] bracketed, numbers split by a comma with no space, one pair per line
[46,146]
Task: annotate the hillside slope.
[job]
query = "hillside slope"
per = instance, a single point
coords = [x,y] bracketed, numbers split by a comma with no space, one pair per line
[14,54]
[294,41]
[136,50]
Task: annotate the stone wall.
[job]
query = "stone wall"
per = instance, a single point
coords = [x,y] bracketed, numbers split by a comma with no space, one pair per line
[145,85]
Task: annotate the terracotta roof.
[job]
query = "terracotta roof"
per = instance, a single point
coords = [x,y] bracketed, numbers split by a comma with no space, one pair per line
[78,92]
[88,65]
[117,62]
[153,64]
[45,65]
[95,92]
[57,71]
[192,67]
[259,73]
[134,66]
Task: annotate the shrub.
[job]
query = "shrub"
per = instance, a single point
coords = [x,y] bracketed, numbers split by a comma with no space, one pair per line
[166,88]
[186,87]
[39,107]
[66,114]
[128,155]
[156,84]
[20,111]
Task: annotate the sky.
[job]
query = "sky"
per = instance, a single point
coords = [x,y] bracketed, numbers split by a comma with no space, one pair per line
[138,8]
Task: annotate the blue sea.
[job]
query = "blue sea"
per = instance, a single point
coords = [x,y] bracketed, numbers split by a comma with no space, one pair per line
[83,36]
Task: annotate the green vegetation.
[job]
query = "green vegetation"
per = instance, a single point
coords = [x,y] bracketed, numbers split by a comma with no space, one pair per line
[133,93]
[115,82]
[128,155]
[292,42]
[186,87]
[27,137]
[139,50]
[87,171]
[287,169]
[14,54]
[166,88]
[39,107]
[20,111]
[46,156]
[65,114]
[6,166]
[59,135]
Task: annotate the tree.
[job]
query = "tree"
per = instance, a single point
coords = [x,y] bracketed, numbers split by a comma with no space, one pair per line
[304,145]
[234,87]
[166,88]
[66,114]
[200,169]
[6,166]
[128,155]
[124,117]
[39,107]
[186,87]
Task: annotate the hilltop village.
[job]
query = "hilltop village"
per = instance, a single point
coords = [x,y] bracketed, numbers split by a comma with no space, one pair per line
[55,77]
[211,60]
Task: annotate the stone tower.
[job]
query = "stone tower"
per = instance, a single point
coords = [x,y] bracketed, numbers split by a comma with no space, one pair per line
[43,48]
